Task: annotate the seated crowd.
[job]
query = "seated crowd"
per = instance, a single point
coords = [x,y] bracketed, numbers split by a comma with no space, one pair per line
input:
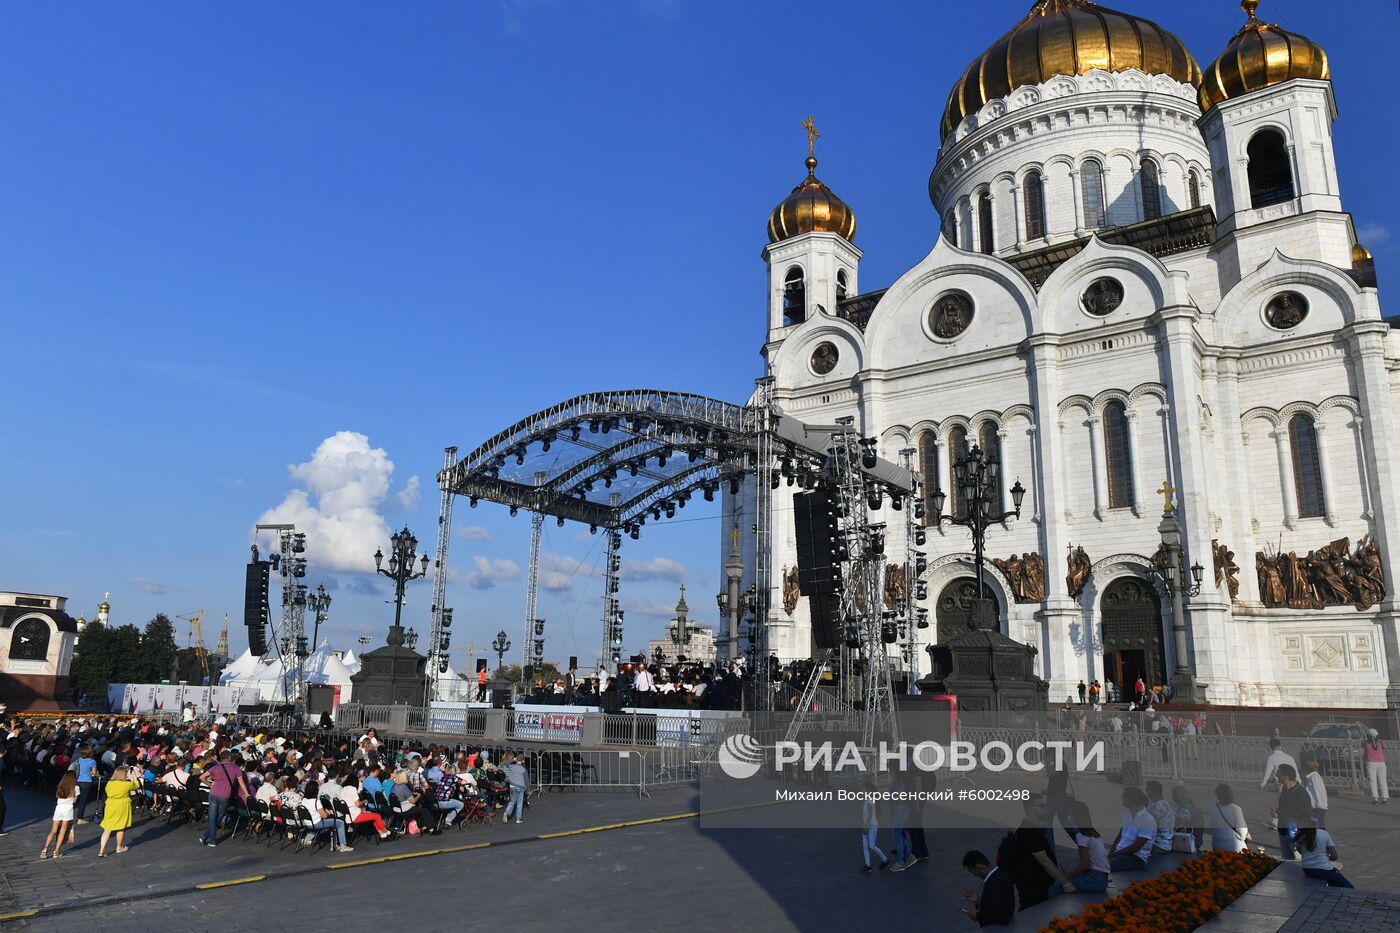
[262,781]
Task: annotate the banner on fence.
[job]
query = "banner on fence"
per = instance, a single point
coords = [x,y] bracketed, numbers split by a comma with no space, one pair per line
[167,698]
[560,724]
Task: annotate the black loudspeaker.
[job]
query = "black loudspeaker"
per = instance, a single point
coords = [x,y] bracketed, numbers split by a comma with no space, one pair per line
[320,699]
[481,665]
[500,699]
[573,662]
[255,605]
[817,532]
[528,678]
[825,611]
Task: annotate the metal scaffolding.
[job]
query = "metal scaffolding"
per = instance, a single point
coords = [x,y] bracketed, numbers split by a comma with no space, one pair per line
[532,586]
[439,638]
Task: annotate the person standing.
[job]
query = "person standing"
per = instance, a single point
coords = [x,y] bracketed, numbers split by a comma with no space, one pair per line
[1373,750]
[481,685]
[644,686]
[1316,788]
[1228,829]
[1095,692]
[86,767]
[995,904]
[1083,692]
[1293,811]
[226,782]
[1277,758]
[1140,690]
[570,685]
[519,780]
[117,816]
[67,796]
[870,831]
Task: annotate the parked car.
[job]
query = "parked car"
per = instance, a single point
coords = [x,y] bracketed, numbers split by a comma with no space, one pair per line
[1338,747]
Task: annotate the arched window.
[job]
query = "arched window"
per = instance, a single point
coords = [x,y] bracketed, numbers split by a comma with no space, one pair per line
[990,440]
[1270,172]
[984,222]
[1194,181]
[1091,185]
[794,297]
[957,450]
[1151,183]
[1033,193]
[1116,455]
[1307,466]
[950,226]
[842,288]
[30,640]
[928,467]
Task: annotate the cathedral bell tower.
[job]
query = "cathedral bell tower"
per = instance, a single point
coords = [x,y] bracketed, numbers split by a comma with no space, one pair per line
[812,259]
[1268,113]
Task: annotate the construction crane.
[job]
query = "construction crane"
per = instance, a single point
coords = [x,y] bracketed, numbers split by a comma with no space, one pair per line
[196,621]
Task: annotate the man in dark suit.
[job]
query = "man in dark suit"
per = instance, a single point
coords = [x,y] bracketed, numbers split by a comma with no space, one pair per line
[995,904]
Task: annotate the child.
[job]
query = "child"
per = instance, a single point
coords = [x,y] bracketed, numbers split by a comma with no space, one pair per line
[67,795]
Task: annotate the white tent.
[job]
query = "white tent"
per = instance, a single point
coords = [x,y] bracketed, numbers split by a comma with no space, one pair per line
[322,667]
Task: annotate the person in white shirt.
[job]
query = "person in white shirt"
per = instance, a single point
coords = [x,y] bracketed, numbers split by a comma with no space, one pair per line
[1163,815]
[1091,874]
[1228,829]
[643,686]
[187,715]
[1319,851]
[1317,789]
[1277,756]
[1133,846]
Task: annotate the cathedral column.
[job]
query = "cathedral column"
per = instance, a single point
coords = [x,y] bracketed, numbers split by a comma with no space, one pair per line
[1285,476]
[943,482]
[1366,342]
[1206,614]
[1324,471]
[1133,461]
[1077,195]
[1018,209]
[1058,612]
[1003,497]
[1099,466]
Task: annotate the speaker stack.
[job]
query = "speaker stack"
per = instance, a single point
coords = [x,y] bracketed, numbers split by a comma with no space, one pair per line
[255,605]
[820,549]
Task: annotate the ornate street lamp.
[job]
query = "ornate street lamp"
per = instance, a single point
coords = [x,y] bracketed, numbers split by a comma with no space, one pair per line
[501,645]
[978,485]
[402,554]
[1171,573]
[319,603]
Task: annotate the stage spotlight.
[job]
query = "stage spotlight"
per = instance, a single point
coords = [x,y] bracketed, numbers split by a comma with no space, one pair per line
[709,494]
[635,534]
[632,467]
[896,503]
[734,486]
[593,427]
[661,462]
[920,538]
[514,511]
[559,521]
[593,529]
[475,502]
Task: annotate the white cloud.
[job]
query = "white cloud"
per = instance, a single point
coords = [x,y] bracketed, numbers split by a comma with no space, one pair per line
[407,497]
[473,533]
[147,585]
[1372,234]
[658,568]
[346,482]
[570,566]
[555,582]
[487,572]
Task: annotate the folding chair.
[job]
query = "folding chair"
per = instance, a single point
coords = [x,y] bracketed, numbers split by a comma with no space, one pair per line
[305,820]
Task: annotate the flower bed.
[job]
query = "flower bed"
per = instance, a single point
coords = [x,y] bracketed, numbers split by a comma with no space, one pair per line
[1177,901]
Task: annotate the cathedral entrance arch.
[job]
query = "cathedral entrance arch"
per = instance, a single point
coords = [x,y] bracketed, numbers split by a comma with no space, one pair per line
[1133,647]
[954,604]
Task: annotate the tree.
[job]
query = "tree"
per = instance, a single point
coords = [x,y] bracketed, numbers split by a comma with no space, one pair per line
[93,662]
[158,651]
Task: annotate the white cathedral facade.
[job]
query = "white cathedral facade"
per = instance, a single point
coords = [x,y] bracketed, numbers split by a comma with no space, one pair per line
[1145,274]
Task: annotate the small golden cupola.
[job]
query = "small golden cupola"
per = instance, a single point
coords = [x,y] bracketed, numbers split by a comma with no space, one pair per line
[1259,56]
[812,206]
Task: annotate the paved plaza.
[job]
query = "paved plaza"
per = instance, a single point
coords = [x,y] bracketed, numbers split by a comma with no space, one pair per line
[590,856]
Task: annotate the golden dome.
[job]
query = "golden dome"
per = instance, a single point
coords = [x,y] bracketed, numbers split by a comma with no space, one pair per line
[1261,55]
[1359,254]
[105,606]
[1067,37]
[811,206]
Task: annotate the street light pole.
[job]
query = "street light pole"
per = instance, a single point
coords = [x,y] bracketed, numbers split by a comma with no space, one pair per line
[319,603]
[501,645]
[977,476]
[1172,575]
[402,554]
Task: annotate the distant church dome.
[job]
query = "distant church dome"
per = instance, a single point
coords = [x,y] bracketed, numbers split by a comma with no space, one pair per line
[1066,37]
[1261,55]
[812,206]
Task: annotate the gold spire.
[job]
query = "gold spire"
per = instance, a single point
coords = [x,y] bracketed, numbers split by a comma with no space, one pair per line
[810,125]
[1249,7]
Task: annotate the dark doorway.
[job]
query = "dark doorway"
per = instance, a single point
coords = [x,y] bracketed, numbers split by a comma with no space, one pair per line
[1132,634]
[954,604]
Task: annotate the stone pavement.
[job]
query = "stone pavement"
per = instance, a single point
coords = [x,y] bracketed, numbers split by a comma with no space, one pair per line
[1337,910]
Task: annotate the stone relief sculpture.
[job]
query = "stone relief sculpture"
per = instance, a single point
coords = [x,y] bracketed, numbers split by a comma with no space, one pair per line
[1225,568]
[1079,565]
[1332,575]
[1026,574]
[896,588]
[791,589]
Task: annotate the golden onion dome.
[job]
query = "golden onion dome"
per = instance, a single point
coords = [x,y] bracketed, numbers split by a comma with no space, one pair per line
[812,206]
[1067,37]
[104,606]
[1359,253]
[1261,55]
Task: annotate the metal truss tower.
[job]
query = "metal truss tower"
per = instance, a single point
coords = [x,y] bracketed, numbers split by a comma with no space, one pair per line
[439,637]
[911,617]
[289,636]
[763,545]
[611,650]
[532,586]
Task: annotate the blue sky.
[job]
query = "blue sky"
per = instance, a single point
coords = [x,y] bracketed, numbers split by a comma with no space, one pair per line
[230,232]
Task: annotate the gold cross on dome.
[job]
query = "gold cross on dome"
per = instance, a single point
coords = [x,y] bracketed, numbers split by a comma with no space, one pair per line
[810,125]
[1166,493]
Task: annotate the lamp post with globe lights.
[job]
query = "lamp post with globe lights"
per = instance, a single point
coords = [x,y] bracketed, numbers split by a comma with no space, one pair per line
[319,603]
[402,555]
[501,645]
